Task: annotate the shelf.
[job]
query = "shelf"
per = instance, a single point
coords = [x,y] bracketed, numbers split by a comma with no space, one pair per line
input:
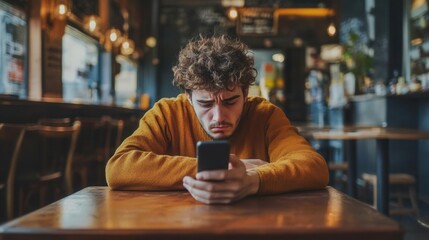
[418,95]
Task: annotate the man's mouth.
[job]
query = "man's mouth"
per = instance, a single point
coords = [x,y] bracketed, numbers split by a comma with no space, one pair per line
[219,128]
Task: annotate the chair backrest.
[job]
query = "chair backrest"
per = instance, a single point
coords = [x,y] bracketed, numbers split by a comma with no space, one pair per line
[115,128]
[55,122]
[112,137]
[11,139]
[99,137]
[50,150]
[130,125]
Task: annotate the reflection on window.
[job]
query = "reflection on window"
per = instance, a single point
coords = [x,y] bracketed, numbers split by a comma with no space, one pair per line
[12,51]
[126,82]
[80,73]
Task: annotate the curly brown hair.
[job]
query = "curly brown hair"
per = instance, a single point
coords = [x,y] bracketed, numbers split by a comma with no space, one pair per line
[213,64]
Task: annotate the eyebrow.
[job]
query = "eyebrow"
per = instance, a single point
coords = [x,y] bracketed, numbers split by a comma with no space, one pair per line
[224,100]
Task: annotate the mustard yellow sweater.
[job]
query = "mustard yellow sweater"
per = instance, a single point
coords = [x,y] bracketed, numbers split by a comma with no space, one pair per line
[162,150]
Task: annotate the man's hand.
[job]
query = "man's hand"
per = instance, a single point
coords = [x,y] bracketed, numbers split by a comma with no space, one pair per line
[223,186]
[253,163]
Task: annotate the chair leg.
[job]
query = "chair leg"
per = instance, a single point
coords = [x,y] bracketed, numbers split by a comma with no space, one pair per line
[413,199]
[42,196]
[374,194]
[21,201]
[9,203]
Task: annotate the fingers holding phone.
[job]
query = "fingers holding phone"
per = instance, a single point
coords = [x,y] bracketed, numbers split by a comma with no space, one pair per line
[221,176]
[218,186]
[235,170]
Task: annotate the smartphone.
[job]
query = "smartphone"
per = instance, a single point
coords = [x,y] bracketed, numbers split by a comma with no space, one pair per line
[213,155]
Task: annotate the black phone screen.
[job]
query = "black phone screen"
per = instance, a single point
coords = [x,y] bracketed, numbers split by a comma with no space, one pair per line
[213,155]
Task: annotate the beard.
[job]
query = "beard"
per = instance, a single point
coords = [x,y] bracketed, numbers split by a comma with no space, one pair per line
[231,126]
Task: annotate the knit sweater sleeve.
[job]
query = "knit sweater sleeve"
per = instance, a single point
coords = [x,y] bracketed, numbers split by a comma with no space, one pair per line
[141,161]
[294,164]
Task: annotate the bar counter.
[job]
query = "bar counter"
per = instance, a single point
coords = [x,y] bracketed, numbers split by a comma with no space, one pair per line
[14,110]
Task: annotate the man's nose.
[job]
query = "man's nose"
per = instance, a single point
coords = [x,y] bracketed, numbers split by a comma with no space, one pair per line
[218,113]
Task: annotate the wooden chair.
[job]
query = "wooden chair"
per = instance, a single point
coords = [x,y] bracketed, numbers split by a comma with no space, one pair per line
[91,143]
[397,180]
[11,139]
[45,165]
[113,136]
[98,140]
[130,125]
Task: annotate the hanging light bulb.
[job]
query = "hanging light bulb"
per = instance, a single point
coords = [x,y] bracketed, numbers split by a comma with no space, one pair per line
[331,29]
[113,35]
[91,23]
[127,46]
[232,13]
[151,42]
[60,10]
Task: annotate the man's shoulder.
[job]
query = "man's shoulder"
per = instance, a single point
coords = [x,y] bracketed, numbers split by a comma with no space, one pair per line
[261,108]
[178,101]
[259,103]
[169,106]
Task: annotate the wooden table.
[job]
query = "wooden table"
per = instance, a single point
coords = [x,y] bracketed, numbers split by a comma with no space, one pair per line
[98,213]
[382,136]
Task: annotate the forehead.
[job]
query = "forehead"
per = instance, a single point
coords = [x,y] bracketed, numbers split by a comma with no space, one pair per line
[204,94]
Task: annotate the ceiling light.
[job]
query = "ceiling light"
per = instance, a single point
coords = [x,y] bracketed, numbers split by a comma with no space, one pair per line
[151,42]
[331,29]
[232,13]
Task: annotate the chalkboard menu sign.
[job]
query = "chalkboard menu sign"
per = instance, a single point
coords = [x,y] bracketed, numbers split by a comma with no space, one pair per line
[82,8]
[256,21]
[52,66]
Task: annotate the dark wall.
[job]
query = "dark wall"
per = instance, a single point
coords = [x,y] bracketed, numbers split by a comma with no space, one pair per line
[295,75]
[395,37]
[423,150]
[179,24]
[180,21]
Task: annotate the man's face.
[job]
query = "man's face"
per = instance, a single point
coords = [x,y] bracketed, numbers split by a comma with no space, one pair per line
[219,113]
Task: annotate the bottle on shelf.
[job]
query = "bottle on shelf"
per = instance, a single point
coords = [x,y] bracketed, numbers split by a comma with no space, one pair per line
[392,83]
[380,88]
[401,87]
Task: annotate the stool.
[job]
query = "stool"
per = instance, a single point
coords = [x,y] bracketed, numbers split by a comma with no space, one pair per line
[338,167]
[397,179]
[343,166]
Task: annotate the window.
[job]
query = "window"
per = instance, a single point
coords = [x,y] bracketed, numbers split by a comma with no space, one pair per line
[80,73]
[13,34]
[126,82]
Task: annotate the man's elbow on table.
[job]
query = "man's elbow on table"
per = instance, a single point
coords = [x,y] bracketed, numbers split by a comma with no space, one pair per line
[112,176]
[118,177]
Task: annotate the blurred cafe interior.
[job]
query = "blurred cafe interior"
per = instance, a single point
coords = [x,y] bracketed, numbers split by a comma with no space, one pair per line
[328,64]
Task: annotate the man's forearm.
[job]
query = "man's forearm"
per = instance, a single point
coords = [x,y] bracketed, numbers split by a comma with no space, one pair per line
[138,170]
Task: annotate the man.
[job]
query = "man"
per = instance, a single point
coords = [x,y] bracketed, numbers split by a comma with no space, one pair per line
[267,153]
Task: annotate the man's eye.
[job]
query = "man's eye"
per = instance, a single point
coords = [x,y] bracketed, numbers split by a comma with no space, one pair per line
[206,105]
[229,103]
